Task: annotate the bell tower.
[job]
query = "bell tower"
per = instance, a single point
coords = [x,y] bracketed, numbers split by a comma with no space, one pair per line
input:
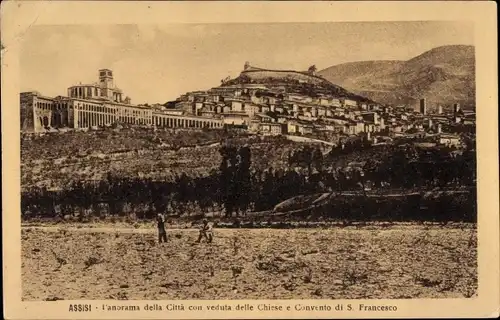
[106,81]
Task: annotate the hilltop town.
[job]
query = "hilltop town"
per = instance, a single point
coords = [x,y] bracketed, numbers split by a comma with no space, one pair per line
[298,104]
[277,102]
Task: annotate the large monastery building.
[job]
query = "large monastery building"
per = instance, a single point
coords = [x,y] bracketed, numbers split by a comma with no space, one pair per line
[94,105]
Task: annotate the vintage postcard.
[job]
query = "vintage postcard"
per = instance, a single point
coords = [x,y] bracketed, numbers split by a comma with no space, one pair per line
[233,160]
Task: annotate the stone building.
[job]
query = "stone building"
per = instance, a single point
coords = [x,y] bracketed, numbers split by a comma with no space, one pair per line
[104,89]
[97,105]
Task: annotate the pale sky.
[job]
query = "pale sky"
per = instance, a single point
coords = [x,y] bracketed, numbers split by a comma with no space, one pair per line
[158,63]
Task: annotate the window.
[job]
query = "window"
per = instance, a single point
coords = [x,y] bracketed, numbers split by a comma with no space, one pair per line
[89,91]
[95,92]
[102,73]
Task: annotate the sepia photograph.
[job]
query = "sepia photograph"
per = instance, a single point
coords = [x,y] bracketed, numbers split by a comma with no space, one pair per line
[284,162]
[266,161]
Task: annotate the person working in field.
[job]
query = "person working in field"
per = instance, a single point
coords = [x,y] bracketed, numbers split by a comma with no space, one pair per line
[205,232]
[162,234]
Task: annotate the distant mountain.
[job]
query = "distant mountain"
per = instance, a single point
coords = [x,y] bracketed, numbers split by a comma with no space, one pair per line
[443,75]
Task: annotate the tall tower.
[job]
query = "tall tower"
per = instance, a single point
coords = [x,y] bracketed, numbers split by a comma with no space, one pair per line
[440,109]
[423,107]
[106,82]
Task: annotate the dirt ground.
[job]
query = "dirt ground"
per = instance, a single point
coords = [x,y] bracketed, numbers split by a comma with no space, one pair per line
[332,263]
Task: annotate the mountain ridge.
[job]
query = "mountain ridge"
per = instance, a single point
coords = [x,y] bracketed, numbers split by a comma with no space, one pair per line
[443,75]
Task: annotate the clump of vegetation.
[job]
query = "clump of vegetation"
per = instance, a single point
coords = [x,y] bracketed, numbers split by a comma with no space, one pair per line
[60,260]
[90,261]
[247,174]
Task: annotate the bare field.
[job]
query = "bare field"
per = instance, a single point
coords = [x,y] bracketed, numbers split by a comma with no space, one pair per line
[400,262]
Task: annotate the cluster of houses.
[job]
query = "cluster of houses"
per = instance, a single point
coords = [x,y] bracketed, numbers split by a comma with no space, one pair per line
[273,111]
[265,111]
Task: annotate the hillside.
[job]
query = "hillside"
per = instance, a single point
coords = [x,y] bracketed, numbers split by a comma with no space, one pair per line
[353,74]
[294,82]
[443,75]
[58,160]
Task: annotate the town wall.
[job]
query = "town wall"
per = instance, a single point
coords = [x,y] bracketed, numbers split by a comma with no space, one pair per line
[295,75]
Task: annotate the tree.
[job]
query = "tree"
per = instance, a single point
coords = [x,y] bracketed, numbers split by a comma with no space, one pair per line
[242,178]
[227,184]
[306,157]
[268,191]
[317,159]
[183,194]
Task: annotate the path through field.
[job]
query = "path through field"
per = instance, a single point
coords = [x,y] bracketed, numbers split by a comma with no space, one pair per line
[331,263]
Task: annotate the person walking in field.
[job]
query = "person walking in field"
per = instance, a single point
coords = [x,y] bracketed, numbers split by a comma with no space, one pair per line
[162,234]
[205,232]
